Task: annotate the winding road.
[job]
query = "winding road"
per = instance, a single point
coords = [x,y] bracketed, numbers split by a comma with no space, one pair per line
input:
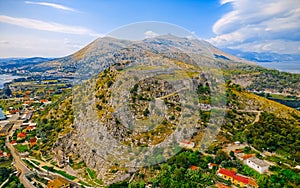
[18,163]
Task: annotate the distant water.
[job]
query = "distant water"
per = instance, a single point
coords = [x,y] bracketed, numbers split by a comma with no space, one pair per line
[4,78]
[292,67]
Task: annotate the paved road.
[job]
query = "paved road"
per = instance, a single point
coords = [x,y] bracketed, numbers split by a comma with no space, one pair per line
[21,167]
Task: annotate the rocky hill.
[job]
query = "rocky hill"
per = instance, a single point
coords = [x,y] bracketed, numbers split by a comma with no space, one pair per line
[132,95]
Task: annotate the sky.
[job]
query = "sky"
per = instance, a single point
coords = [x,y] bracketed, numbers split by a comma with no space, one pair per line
[56,28]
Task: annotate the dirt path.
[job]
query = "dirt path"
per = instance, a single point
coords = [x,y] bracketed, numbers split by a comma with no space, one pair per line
[257,118]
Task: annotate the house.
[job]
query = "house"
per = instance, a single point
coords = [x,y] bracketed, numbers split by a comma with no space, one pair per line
[257,164]
[237,179]
[148,185]
[30,128]
[32,124]
[24,124]
[238,151]
[193,167]
[14,112]
[27,116]
[32,141]
[247,156]
[13,142]
[226,174]
[211,165]
[21,135]
[187,144]
[58,182]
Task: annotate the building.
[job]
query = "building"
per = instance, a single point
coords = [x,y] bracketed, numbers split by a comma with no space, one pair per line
[13,142]
[21,135]
[257,164]
[187,144]
[226,174]
[237,179]
[32,142]
[212,165]
[193,167]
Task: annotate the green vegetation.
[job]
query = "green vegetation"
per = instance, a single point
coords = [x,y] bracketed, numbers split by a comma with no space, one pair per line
[283,139]
[63,173]
[91,173]
[14,182]
[22,148]
[55,120]
[4,173]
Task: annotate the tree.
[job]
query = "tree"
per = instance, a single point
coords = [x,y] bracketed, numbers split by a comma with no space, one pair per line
[221,156]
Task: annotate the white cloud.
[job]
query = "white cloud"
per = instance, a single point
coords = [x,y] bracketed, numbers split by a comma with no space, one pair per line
[53,5]
[47,26]
[150,34]
[249,22]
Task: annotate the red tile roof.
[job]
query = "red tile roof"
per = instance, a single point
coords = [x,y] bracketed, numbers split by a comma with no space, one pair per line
[247,156]
[32,140]
[43,100]
[241,179]
[30,128]
[13,111]
[193,167]
[227,172]
[22,135]
[13,142]
[238,151]
[212,164]
[252,182]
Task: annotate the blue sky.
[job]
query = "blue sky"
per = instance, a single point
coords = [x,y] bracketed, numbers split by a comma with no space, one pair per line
[52,28]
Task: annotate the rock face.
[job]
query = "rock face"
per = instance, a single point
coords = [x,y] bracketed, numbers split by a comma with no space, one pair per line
[73,145]
[153,78]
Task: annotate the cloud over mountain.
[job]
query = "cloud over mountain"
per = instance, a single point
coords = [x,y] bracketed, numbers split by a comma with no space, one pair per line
[260,26]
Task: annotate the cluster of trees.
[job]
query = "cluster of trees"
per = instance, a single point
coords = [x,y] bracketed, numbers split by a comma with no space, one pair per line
[53,121]
[276,135]
[274,79]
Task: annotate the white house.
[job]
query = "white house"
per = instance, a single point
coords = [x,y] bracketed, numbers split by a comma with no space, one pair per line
[187,144]
[257,164]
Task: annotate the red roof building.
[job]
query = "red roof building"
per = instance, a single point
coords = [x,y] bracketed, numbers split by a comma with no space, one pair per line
[238,151]
[227,172]
[241,179]
[43,100]
[211,165]
[30,128]
[21,135]
[247,156]
[14,111]
[193,167]
[236,178]
[13,142]
[32,141]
